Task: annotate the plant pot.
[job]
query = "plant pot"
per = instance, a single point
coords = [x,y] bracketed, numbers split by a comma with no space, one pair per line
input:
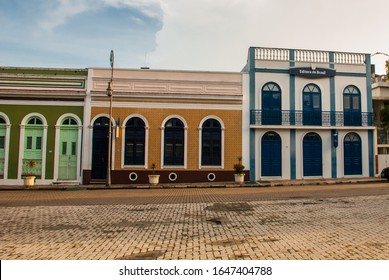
[29,181]
[154,179]
[239,178]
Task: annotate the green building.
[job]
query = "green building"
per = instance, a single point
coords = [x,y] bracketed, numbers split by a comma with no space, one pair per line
[41,113]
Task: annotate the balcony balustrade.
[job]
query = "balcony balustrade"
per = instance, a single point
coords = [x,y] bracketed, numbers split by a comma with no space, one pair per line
[313,118]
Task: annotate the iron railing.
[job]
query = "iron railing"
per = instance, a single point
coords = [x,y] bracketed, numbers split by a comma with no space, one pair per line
[313,118]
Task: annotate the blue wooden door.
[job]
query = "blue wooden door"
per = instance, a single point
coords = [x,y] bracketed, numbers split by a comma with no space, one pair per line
[271,155]
[312,105]
[312,155]
[352,106]
[271,104]
[352,154]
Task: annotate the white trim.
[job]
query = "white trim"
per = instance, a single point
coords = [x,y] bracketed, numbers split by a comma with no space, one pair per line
[6,144]
[44,144]
[58,127]
[157,105]
[222,141]
[43,102]
[146,159]
[163,142]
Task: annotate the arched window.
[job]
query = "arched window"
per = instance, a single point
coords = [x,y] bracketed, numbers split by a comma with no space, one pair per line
[311,105]
[352,106]
[134,149]
[271,104]
[69,121]
[271,154]
[352,154]
[174,142]
[211,143]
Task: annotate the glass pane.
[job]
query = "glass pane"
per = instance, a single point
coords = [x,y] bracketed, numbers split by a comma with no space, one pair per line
[356,102]
[316,101]
[29,143]
[346,102]
[39,143]
[2,142]
[74,145]
[64,146]
[307,100]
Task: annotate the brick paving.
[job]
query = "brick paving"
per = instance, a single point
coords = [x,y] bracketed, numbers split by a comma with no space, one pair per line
[200,224]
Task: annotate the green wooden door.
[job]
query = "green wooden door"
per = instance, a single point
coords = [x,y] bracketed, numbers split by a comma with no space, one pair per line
[67,167]
[32,156]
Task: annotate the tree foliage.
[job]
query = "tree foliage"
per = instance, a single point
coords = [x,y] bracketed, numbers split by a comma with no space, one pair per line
[384,116]
[387,69]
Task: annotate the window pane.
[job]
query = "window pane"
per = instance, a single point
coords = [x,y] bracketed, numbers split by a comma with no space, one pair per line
[74,145]
[29,143]
[356,102]
[2,142]
[346,102]
[39,143]
[316,101]
[64,146]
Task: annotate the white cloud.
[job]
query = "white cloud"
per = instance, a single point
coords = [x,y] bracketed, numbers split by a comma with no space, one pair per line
[215,35]
[58,12]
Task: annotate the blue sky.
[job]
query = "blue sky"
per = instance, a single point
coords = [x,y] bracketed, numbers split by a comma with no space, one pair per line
[183,34]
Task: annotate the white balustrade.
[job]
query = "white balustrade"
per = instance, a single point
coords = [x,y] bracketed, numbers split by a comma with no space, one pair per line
[309,56]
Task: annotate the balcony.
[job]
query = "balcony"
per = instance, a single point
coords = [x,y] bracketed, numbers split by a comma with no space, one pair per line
[312,118]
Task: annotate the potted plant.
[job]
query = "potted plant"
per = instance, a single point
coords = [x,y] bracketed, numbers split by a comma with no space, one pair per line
[153,178]
[239,168]
[29,178]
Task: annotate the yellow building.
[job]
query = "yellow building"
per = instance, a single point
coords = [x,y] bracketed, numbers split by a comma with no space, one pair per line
[187,123]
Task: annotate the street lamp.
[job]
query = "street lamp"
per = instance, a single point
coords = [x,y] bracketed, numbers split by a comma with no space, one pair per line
[109,92]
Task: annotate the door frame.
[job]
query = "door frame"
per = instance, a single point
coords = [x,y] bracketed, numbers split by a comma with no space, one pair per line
[6,144]
[58,126]
[360,153]
[279,143]
[303,157]
[90,146]
[23,126]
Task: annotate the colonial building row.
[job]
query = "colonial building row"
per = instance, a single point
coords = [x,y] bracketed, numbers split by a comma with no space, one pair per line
[290,114]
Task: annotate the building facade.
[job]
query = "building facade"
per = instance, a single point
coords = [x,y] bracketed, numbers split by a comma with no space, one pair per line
[187,123]
[380,90]
[41,115]
[307,114]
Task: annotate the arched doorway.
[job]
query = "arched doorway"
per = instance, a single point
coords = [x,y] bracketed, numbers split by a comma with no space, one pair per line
[312,155]
[352,106]
[33,147]
[311,105]
[271,104]
[100,148]
[271,155]
[352,154]
[68,149]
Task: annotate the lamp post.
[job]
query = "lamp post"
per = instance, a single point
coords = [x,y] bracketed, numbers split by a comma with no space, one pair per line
[110,93]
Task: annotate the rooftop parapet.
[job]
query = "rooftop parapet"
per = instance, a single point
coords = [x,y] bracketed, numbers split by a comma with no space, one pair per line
[312,56]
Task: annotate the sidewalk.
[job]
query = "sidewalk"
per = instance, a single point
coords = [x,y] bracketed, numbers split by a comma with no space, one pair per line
[274,183]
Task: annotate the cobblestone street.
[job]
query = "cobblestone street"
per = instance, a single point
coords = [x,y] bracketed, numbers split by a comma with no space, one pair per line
[306,228]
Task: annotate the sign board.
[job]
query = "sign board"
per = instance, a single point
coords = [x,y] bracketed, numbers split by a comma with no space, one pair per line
[312,73]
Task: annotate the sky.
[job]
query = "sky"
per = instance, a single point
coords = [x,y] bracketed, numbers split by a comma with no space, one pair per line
[206,35]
